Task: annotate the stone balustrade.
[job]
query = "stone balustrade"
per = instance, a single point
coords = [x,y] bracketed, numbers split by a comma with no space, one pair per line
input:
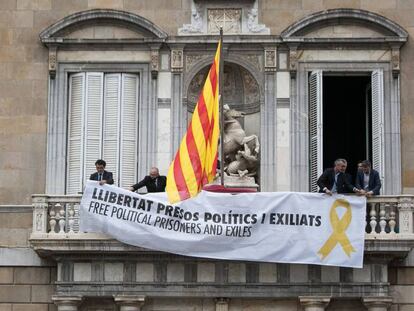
[388,217]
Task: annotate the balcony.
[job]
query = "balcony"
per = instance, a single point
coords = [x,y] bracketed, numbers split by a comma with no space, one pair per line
[91,264]
[389,226]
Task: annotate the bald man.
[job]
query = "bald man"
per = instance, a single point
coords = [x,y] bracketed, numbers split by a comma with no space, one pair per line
[154,182]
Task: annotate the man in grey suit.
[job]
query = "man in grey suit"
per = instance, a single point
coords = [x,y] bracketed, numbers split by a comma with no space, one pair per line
[368,179]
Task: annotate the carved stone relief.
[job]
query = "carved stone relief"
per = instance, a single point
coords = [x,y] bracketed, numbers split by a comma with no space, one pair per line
[176,59]
[234,16]
[229,19]
[270,60]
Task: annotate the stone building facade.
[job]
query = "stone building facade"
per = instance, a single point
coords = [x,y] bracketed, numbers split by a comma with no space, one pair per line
[118,79]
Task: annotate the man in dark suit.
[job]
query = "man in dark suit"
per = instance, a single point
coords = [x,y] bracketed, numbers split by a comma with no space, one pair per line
[104,177]
[368,179]
[335,180]
[154,182]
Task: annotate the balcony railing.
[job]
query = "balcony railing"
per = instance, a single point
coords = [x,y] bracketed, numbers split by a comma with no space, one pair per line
[388,217]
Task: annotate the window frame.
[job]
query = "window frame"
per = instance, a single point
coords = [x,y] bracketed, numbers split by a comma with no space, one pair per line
[300,124]
[58,118]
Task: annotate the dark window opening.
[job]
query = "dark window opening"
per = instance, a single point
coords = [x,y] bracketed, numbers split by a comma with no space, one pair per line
[346,120]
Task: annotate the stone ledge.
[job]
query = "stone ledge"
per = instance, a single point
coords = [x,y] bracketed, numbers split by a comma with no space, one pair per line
[351,290]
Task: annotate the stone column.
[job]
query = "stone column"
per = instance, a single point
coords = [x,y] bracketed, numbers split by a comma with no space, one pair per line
[178,115]
[129,302]
[268,124]
[377,303]
[67,303]
[314,303]
[222,304]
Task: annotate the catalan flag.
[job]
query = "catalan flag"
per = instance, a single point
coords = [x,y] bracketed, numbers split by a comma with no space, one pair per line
[196,160]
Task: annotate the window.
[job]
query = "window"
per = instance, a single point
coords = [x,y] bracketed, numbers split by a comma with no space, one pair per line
[103,124]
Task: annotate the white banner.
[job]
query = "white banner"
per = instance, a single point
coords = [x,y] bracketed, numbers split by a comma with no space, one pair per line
[290,227]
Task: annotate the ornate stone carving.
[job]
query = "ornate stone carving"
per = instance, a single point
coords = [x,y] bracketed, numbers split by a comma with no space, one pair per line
[154,63]
[52,61]
[270,60]
[191,60]
[293,60]
[252,23]
[196,25]
[229,19]
[395,60]
[176,60]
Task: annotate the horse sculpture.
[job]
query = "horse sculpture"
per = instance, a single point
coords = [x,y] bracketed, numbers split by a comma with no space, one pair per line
[240,151]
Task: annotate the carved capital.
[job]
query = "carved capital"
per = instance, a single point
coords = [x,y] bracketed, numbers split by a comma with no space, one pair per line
[222,304]
[52,61]
[129,302]
[270,60]
[67,303]
[177,62]
[314,303]
[377,303]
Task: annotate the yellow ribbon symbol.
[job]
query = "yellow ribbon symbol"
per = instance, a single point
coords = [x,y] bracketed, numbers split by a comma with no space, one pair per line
[339,226]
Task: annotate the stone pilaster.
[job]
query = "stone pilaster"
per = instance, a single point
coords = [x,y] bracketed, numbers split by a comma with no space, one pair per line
[268,120]
[314,303]
[178,114]
[377,303]
[129,302]
[67,303]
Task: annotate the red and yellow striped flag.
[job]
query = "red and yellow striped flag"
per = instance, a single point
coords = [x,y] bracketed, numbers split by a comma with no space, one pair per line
[196,160]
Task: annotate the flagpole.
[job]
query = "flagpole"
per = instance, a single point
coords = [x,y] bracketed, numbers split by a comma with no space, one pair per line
[221,70]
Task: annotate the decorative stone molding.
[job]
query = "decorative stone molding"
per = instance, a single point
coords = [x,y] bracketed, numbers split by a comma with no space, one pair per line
[112,16]
[52,61]
[377,303]
[361,16]
[177,62]
[270,60]
[191,60]
[129,302]
[222,304]
[314,303]
[67,303]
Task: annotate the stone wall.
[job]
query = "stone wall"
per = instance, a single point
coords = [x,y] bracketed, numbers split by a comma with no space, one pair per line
[26,280]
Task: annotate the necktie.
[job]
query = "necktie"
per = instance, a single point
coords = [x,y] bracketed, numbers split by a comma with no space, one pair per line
[334,185]
[99,176]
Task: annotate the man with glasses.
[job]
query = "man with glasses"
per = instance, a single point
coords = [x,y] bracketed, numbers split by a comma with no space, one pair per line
[154,182]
